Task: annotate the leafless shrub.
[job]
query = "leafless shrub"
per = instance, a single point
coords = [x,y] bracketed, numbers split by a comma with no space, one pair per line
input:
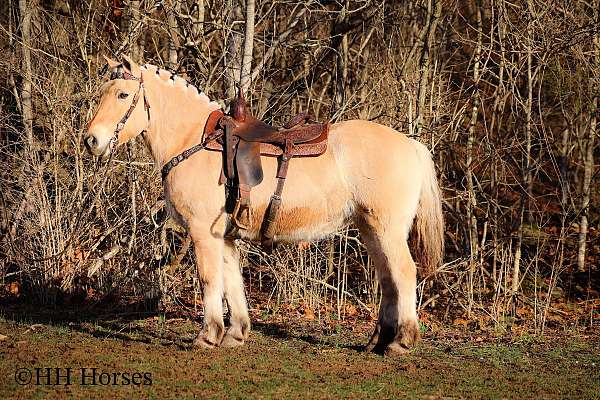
[501,92]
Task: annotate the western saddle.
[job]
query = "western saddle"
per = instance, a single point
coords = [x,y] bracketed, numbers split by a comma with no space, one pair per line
[243,139]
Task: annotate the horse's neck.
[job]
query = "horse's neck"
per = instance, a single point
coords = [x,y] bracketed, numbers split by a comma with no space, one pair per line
[178,113]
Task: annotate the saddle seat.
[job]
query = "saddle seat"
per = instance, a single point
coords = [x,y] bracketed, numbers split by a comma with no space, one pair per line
[243,140]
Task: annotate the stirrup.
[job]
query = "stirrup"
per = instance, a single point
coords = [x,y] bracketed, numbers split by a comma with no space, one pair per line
[240,212]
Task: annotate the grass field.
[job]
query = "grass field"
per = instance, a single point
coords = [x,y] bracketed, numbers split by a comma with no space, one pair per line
[285,361]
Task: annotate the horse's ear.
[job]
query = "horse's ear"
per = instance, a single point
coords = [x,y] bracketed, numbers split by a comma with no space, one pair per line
[130,66]
[111,63]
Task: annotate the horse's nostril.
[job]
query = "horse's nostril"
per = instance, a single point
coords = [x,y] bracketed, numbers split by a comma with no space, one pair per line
[91,141]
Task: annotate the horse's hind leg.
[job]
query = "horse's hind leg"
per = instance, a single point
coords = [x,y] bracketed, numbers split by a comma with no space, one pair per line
[239,321]
[397,328]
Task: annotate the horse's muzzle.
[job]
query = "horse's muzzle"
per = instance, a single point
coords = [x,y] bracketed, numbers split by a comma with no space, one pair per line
[93,145]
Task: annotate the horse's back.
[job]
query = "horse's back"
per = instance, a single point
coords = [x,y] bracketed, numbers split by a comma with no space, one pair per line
[366,150]
[366,165]
[380,165]
[368,137]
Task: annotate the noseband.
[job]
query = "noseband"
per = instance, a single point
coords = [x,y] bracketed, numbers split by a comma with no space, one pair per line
[121,124]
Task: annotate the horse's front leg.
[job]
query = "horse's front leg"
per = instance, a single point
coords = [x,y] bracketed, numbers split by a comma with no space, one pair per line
[209,262]
[239,321]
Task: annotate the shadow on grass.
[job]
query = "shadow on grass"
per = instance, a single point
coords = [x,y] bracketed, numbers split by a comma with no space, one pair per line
[278,331]
[143,322]
[106,320]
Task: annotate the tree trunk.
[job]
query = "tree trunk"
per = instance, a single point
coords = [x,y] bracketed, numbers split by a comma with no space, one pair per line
[495,129]
[434,10]
[472,199]
[588,168]
[245,74]
[526,183]
[137,50]
[173,35]
[365,90]
[198,28]
[341,77]
[588,171]
[26,11]
[232,57]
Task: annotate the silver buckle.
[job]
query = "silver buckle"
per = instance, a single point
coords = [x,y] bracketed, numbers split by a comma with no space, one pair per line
[113,142]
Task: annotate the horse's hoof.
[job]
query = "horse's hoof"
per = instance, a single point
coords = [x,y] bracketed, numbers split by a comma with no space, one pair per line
[230,341]
[203,342]
[394,341]
[210,336]
[407,338]
[408,335]
[396,349]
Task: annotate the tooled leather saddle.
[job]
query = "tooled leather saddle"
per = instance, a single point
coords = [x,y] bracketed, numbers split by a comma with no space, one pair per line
[243,140]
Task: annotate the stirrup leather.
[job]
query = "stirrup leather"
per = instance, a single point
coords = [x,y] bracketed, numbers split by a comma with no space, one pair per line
[241,216]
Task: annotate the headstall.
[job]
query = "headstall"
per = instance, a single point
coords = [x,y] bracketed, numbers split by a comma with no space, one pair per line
[119,74]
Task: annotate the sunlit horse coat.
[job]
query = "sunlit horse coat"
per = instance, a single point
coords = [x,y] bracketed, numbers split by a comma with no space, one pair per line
[370,174]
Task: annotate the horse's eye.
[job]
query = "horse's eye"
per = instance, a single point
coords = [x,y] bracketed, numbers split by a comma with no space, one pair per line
[123,96]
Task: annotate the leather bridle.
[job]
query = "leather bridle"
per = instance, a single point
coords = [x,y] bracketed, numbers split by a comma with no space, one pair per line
[118,74]
[213,135]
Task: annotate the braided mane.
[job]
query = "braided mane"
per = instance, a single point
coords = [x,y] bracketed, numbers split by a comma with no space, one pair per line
[173,80]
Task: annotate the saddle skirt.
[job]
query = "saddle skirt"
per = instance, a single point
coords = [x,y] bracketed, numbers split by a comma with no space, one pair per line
[243,140]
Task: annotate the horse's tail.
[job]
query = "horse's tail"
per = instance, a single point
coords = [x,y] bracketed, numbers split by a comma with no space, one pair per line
[429,227]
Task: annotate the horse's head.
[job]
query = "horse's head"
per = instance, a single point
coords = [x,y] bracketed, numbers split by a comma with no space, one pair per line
[121,113]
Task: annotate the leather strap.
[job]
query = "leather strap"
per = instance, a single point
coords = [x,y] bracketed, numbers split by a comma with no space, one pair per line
[220,126]
[119,74]
[267,229]
[211,133]
[184,155]
[299,119]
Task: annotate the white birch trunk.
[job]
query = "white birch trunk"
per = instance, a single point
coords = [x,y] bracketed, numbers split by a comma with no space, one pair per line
[246,71]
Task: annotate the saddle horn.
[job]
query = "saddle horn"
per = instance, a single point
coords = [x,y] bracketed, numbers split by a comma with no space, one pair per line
[239,107]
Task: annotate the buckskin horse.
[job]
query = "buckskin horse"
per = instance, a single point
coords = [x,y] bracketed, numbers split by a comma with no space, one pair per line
[368,174]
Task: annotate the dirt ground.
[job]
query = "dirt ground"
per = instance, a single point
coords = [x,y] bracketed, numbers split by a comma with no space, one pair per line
[150,356]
